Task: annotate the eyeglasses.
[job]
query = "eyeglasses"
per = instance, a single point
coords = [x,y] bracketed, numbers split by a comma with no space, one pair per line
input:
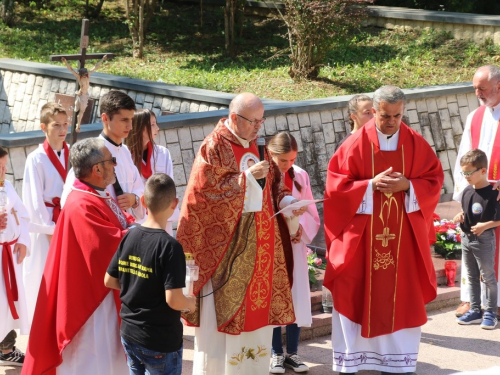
[468,174]
[253,122]
[113,160]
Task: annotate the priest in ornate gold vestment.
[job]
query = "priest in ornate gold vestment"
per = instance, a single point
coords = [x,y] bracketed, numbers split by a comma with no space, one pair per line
[382,187]
[244,286]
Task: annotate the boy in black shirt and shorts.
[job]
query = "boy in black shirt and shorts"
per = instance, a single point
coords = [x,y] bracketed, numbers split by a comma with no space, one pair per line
[149,269]
[481,213]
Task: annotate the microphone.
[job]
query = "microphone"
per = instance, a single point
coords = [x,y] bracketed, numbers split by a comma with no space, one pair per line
[261,144]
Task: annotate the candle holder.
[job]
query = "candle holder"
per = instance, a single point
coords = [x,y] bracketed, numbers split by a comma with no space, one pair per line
[450,269]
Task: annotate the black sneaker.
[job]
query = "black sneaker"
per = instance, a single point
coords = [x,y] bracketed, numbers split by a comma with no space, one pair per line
[277,364]
[293,361]
[14,358]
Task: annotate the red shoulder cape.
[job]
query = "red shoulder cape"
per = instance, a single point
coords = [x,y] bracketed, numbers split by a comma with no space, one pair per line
[85,239]
[349,172]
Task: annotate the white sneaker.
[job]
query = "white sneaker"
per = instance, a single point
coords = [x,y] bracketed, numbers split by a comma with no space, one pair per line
[277,364]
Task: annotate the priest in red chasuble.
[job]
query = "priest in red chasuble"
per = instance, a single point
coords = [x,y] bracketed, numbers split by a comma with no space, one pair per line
[75,326]
[244,286]
[382,187]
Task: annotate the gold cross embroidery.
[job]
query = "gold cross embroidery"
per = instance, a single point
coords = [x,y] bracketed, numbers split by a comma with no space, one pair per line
[385,237]
[14,212]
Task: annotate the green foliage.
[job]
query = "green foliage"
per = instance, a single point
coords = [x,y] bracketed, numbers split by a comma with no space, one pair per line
[194,55]
[314,263]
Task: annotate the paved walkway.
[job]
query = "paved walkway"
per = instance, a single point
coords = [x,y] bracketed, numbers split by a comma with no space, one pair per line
[446,348]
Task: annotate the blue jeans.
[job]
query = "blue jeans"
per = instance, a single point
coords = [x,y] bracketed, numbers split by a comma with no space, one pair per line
[478,253]
[292,339]
[142,361]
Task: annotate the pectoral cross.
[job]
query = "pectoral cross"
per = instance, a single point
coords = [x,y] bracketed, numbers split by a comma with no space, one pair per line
[385,237]
[82,58]
[14,212]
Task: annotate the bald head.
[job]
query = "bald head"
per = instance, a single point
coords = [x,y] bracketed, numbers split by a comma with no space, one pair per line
[486,84]
[246,115]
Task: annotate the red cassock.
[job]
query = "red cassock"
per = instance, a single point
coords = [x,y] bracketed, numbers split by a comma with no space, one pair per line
[379,267]
[87,235]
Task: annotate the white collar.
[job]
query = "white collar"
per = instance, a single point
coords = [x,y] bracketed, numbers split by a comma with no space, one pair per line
[243,142]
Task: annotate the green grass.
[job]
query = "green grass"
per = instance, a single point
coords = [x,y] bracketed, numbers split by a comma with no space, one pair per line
[180,51]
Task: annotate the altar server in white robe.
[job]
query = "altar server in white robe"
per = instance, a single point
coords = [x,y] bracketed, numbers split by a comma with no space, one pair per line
[117,113]
[44,175]
[283,148]
[15,243]
[149,157]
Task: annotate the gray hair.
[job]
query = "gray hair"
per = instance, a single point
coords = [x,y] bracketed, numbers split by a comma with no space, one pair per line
[493,72]
[388,94]
[85,154]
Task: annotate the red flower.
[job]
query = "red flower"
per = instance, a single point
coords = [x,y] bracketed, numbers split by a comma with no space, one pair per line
[436,217]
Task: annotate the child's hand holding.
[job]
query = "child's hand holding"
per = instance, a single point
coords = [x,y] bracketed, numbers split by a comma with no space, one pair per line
[479,228]
[459,218]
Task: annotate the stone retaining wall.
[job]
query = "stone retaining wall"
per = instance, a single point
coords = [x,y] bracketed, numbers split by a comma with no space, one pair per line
[438,113]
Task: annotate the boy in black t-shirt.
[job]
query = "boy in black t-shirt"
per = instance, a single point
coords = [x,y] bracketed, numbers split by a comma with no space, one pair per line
[149,269]
[481,213]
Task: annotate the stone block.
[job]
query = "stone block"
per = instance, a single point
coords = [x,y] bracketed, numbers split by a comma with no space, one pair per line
[23,78]
[330,149]
[458,139]
[326,116]
[185,138]
[473,101]
[71,88]
[449,138]
[453,109]
[95,92]
[261,132]
[281,123]
[196,146]
[175,152]
[171,136]
[166,103]
[187,161]
[11,96]
[304,120]
[478,34]
[338,125]
[179,175]
[197,133]
[298,139]
[411,104]
[468,32]
[63,85]
[149,98]
[185,106]
[462,100]
[452,158]
[46,88]
[3,92]
[496,37]
[435,124]
[270,126]
[451,99]
[21,126]
[416,126]
[203,107]
[448,182]
[157,101]
[337,114]
[213,107]
[139,98]
[329,132]
[309,155]
[413,116]
[322,162]
[25,107]
[319,143]
[176,105]
[456,125]
[15,77]
[293,122]
[29,149]
[30,84]
[207,129]
[7,79]
[315,119]
[38,80]
[441,102]
[18,160]
[443,158]
[16,111]
[444,116]
[54,85]
[194,107]
[306,135]
[464,112]
[52,97]
[160,139]
[431,105]
[145,105]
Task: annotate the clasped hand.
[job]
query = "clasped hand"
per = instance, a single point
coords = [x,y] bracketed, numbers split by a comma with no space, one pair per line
[390,182]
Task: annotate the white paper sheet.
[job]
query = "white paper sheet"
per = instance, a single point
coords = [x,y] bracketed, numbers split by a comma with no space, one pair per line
[288,210]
